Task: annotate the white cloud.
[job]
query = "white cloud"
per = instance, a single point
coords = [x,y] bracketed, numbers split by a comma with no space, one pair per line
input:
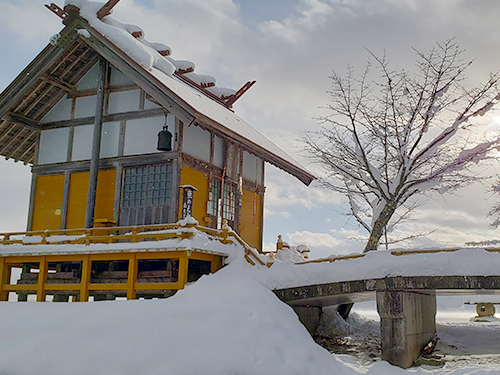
[323,244]
[294,29]
[291,60]
[284,190]
[268,246]
[268,212]
[285,214]
[311,239]
[348,233]
[28,21]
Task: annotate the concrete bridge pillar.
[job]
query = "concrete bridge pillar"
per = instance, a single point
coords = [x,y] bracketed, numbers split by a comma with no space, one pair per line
[309,316]
[407,324]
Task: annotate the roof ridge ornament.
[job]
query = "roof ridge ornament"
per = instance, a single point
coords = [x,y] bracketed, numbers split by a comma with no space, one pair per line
[64,13]
[106,9]
[182,69]
[54,8]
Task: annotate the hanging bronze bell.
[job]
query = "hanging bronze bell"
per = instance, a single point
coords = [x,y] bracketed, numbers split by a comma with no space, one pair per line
[164,140]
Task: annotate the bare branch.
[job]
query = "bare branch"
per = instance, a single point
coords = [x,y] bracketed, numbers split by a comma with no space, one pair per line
[393,137]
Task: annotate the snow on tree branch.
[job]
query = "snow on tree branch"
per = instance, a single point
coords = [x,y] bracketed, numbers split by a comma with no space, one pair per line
[392,135]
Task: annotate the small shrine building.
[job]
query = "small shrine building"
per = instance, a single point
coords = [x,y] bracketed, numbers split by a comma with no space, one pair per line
[120,134]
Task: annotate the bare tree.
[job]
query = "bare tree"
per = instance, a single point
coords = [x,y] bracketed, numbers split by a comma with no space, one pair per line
[391,139]
[495,210]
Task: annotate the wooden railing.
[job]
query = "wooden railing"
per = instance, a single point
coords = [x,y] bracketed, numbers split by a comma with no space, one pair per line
[107,235]
[41,282]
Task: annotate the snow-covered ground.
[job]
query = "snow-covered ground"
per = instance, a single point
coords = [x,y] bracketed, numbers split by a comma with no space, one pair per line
[225,323]
[464,347]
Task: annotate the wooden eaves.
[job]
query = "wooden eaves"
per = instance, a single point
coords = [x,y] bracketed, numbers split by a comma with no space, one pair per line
[32,93]
[170,101]
[19,129]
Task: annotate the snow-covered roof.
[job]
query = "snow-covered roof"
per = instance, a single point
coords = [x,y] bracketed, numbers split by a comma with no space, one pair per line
[162,70]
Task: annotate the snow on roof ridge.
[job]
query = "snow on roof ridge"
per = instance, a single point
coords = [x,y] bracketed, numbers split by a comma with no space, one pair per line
[131,39]
[162,67]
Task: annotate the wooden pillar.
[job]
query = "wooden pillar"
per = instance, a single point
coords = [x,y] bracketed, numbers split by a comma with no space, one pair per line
[42,279]
[214,264]
[132,277]
[64,213]
[118,190]
[3,294]
[183,270]
[85,280]
[31,205]
[96,144]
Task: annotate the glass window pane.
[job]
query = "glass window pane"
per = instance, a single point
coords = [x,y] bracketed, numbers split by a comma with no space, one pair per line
[145,203]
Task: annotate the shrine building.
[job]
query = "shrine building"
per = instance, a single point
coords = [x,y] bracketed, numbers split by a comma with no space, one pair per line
[121,135]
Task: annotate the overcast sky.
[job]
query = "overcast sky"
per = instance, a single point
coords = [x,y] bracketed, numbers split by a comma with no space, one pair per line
[289,47]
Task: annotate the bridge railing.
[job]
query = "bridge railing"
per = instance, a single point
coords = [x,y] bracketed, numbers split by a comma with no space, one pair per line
[395,253]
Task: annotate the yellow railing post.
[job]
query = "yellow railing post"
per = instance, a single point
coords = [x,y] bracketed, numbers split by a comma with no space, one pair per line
[85,279]
[2,280]
[132,276]
[214,266]
[135,230]
[183,269]
[42,279]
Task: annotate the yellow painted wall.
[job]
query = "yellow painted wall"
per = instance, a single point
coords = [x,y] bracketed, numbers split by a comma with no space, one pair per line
[251,222]
[251,219]
[47,207]
[77,202]
[200,181]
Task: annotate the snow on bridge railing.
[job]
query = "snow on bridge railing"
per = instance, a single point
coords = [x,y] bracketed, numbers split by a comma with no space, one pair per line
[395,253]
[483,243]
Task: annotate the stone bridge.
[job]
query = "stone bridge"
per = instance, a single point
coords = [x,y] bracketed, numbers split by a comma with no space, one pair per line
[406,304]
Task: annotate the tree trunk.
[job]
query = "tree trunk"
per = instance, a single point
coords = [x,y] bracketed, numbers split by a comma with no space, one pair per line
[379,226]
